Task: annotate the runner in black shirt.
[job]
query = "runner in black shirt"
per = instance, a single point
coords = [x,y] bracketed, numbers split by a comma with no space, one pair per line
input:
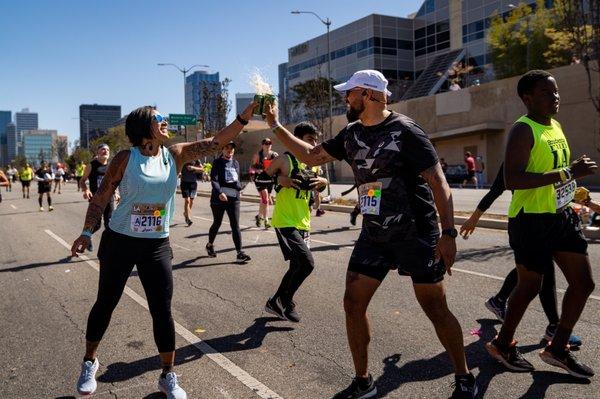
[399,177]
[44,177]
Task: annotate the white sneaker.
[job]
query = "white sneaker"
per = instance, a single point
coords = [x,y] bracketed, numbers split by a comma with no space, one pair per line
[86,384]
[169,387]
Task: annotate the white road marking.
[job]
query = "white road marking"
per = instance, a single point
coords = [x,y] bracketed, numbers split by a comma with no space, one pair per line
[241,375]
[179,246]
[12,206]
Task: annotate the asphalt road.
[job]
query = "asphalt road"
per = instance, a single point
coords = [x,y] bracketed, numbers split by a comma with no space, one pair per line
[228,347]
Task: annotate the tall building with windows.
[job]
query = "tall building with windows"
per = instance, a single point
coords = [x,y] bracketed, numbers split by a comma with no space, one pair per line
[5,119]
[95,120]
[12,144]
[37,145]
[202,95]
[24,120]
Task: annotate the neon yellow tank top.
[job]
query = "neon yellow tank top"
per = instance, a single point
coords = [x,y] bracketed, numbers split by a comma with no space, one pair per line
[550,152]
[26,174]
[79,169]
[291,206]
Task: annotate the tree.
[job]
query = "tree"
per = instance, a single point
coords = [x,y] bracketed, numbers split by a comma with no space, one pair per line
[581,19]
[312,96]
[19,162]
[215,106]
[115,138]
[526,39]
[60,149]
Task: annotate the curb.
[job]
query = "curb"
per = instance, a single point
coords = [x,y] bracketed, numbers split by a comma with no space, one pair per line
[592,233]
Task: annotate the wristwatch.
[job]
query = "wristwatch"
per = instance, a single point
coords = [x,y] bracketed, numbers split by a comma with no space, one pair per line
[450,232]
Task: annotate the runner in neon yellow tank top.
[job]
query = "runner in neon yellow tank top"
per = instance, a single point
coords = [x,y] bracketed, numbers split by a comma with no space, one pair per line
[542,226]
[291,219]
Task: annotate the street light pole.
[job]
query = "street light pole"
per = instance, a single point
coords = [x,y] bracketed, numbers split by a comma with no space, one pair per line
[184,71]
[327,23]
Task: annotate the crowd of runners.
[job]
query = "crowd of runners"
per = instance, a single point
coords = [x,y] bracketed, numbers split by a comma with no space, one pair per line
[403,198]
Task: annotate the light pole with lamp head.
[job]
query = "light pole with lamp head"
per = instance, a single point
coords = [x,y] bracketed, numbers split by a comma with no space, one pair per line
[184,71]
[327,23]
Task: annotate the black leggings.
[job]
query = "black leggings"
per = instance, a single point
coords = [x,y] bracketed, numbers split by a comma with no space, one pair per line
[233,213]
[547,292]
[295,250]
[118,254]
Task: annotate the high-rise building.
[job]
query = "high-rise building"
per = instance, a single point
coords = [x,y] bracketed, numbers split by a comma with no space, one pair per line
[202,96]
[37,145]
[24,120]
[95,120]
[5,119]
[12,143]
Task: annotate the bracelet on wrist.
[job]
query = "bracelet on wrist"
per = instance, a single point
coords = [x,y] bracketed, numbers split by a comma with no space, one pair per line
[568,173]
[275,127]
[86,233]
[241,120]
[563,175]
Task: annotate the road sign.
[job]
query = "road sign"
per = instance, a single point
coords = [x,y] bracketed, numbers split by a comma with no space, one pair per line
[182,119]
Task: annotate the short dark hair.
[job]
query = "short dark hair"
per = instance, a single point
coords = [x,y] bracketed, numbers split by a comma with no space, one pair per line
[529,80]
[304,128]
[138,125]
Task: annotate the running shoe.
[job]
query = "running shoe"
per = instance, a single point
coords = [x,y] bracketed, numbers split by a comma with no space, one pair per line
[566,360]
[210,250]
[290,312]
[275,307]
[86,384]
[353,217]
[50,208]
[510,357]
[358,389]
[267,223]
[320,212]
[90,246]
[574,340]
[169,386]
[188,221]
[258,220]
[41,209]
[497,307]
[242,257]
[465,387]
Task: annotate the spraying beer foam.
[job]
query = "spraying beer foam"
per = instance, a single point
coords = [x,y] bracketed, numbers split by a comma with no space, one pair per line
[258,81]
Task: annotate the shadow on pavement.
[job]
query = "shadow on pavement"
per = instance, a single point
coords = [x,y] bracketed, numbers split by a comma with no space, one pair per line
[483,254]
[251,338]
[63,261]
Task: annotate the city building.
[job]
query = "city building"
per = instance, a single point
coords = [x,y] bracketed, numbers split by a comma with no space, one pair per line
[5,119]
[95,120]
[415,53]
[37,145]
[12,142]
[24,120]
[202,98]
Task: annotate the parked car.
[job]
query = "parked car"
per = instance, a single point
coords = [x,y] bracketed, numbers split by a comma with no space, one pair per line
[455,174]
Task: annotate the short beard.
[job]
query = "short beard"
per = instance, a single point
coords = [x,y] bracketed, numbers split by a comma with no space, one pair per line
[103,157]
[354,114]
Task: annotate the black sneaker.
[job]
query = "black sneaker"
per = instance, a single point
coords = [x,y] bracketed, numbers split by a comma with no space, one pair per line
[188,221]
[242,257]
[258,220]
[358,389]
[353,217]
[290,313]
[574,340]
[498,308]
[465,387]
[210,250]
[566,360]
[510,357]
[275,307]
[90,246]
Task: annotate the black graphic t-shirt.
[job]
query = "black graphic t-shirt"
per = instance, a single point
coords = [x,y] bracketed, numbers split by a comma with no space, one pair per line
[387,159]
[96,175]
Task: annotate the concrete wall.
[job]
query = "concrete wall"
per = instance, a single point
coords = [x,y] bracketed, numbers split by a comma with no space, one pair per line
[481,116]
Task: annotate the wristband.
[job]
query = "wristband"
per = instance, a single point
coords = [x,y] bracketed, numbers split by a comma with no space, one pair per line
[563,175]
[86,233]
[241,120]
[275,127]
[568,173]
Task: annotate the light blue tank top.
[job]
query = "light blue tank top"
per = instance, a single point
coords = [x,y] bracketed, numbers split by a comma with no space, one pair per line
[147,196]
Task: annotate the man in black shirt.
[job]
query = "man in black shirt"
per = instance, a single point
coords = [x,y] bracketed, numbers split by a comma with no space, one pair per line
[44,177]
[189,187]
[398,177]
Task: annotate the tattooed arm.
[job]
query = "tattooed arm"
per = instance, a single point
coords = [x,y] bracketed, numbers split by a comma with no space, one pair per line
[186,152]
[434,176]
[100,200]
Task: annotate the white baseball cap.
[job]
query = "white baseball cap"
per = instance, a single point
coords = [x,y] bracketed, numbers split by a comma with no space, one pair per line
[367,79]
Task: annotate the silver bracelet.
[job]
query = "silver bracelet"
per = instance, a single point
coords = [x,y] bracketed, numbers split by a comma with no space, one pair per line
[277,126]
[568,173]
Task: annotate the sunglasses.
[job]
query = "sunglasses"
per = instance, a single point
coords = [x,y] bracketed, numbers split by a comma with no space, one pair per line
[356,89]
[159,118]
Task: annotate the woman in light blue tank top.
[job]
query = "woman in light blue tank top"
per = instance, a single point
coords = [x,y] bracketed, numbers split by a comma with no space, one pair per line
[138,233]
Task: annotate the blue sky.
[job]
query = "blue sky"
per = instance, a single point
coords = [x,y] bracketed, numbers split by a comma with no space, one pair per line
[59,54]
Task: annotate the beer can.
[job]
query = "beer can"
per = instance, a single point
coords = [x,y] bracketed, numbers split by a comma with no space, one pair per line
[262,100]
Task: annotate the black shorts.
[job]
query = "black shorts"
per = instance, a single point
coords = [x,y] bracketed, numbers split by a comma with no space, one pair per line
[534,238]
[25,183]
[294,242]
[43,189]
[188,189]
[470,174]
[413,257]
[264,186]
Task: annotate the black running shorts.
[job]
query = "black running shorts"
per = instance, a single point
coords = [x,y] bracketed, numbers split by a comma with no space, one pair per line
[413,257]
[535,237]
[43,189]
[189,189]
[25,183]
